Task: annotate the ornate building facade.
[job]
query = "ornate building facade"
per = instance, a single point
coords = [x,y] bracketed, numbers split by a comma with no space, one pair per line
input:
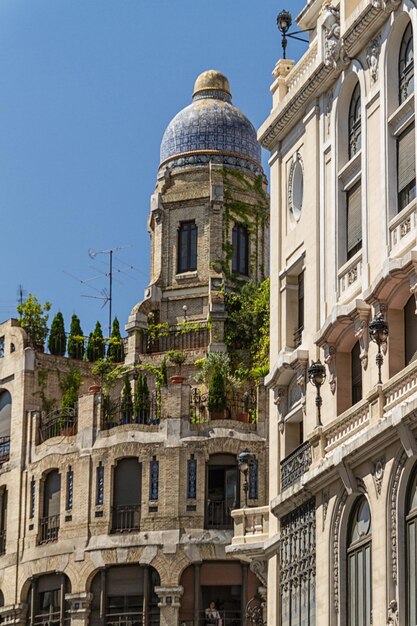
[339,538]
[116,512]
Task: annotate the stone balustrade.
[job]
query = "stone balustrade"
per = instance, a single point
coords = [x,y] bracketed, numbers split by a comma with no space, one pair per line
[402,229]
[251,525]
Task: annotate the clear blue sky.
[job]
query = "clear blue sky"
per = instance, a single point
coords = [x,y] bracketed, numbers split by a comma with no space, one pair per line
[87,88]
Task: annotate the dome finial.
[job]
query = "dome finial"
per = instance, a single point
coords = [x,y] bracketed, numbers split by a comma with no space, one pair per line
[211,80]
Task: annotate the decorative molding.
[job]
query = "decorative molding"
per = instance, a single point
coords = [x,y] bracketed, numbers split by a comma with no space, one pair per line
[413,289]
[330,360]
[393,516]
[334,53]
[325,498]
[362,334]
[260,569]
[378,474]
[336,529]
[372,57]
[393,619]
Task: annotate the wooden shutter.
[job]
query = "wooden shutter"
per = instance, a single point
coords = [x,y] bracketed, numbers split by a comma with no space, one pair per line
[353,218]
[406,155]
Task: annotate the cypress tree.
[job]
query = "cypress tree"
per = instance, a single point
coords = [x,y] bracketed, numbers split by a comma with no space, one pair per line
[217,392]
[57,341]
[115,351]
[95,345]
[75,339]
[126,406]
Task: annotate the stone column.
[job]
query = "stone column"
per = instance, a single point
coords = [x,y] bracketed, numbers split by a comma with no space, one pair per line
[244,568]
[79,607]
[169,604]
[33,599]
[103,594]
[146,591]
[197,571]
[13,615]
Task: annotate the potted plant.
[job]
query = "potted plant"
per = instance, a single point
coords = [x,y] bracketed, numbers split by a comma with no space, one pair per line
[177,357]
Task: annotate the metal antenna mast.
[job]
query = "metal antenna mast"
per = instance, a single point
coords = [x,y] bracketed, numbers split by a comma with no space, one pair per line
[92,254]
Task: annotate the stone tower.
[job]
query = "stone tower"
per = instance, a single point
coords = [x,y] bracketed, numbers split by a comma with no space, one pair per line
[208,214]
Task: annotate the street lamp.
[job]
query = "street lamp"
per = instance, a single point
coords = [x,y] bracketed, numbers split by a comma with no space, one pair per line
[245,460]
[284,21]
[378,332]
[317,375]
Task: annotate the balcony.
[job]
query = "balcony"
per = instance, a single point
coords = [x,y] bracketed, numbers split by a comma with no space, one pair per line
[174,339]
[219,514]
[48,529]
[125,518]
[59,423]
[402,229]
[295,465]
[115,414]
[4,449]
[241,406]
[251,526]
[229,618]
[133,618]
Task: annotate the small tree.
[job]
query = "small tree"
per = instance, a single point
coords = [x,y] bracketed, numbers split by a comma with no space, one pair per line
[217,392]
[115,351]
[126,406]
[177,357]
[57,341]
[95,345]
[75,339]
[142,399]
[34,320]
[70,386]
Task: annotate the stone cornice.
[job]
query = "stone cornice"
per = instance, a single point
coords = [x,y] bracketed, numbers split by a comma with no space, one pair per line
[317,81]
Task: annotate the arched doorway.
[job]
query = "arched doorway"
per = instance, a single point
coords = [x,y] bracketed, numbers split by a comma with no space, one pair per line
[229,584]
[47,605]
[123,595]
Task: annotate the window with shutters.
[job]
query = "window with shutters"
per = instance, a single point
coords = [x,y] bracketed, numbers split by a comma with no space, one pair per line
[355,122]
[406,167]
[240,245]
[353,220]
[187,247]
[406,65]
[359,574]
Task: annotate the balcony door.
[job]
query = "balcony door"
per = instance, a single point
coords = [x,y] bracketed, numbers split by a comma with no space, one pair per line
[222,493]
[127,495]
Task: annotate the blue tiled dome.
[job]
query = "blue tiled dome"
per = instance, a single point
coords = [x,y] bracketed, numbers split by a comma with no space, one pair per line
[211,129]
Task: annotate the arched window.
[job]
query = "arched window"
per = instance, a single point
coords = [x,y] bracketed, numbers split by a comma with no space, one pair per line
[187,247]
[49,523]
[410,331]
[356,371]
[359,575]
[5,422]
[411,531]
[47,604]
[240,244]
[355,122]
[127,496]
[406,65]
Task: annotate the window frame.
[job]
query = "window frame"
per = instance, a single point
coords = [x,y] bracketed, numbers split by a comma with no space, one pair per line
[406,71]
[354,550]
[355,123]
[187,244]
[240,249]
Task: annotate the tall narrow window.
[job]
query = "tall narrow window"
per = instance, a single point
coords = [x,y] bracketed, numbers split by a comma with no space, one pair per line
[406,167]
[240,244]
[154,479]
[192,478]
[298,334]
[49,523]
[3,520]
[127,495]
[253,480]
[70,489]
[353,220]
[356,371]
[32,498]
[100,484]
[406,65]
[410,331]
[411,531]
[187,247]
[359,565]
[355,122]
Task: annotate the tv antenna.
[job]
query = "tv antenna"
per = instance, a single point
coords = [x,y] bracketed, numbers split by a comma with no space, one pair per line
[107,296]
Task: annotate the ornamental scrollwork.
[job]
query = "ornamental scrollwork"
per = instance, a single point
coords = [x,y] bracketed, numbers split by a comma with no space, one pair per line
[334,53]
[393,619]
[372,57]
[330,360]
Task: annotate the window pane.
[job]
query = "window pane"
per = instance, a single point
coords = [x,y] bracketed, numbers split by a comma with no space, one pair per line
[406,167]
[360,588]
[411,567]
[354,220]
[368,586]
[352,591]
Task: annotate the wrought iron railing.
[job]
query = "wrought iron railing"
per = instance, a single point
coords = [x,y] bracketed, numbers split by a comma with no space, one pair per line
[125,518]
[298,336]
[48,529]
[52,618]
[228,617]
[59,423]
[134,618]
[119,414]
[240,406]
[4,449]
[2,541]
[218,514]
[295,464]
[174,339]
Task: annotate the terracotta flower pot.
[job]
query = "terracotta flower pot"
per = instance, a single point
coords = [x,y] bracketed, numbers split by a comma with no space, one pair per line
[176,380]
[94,388]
